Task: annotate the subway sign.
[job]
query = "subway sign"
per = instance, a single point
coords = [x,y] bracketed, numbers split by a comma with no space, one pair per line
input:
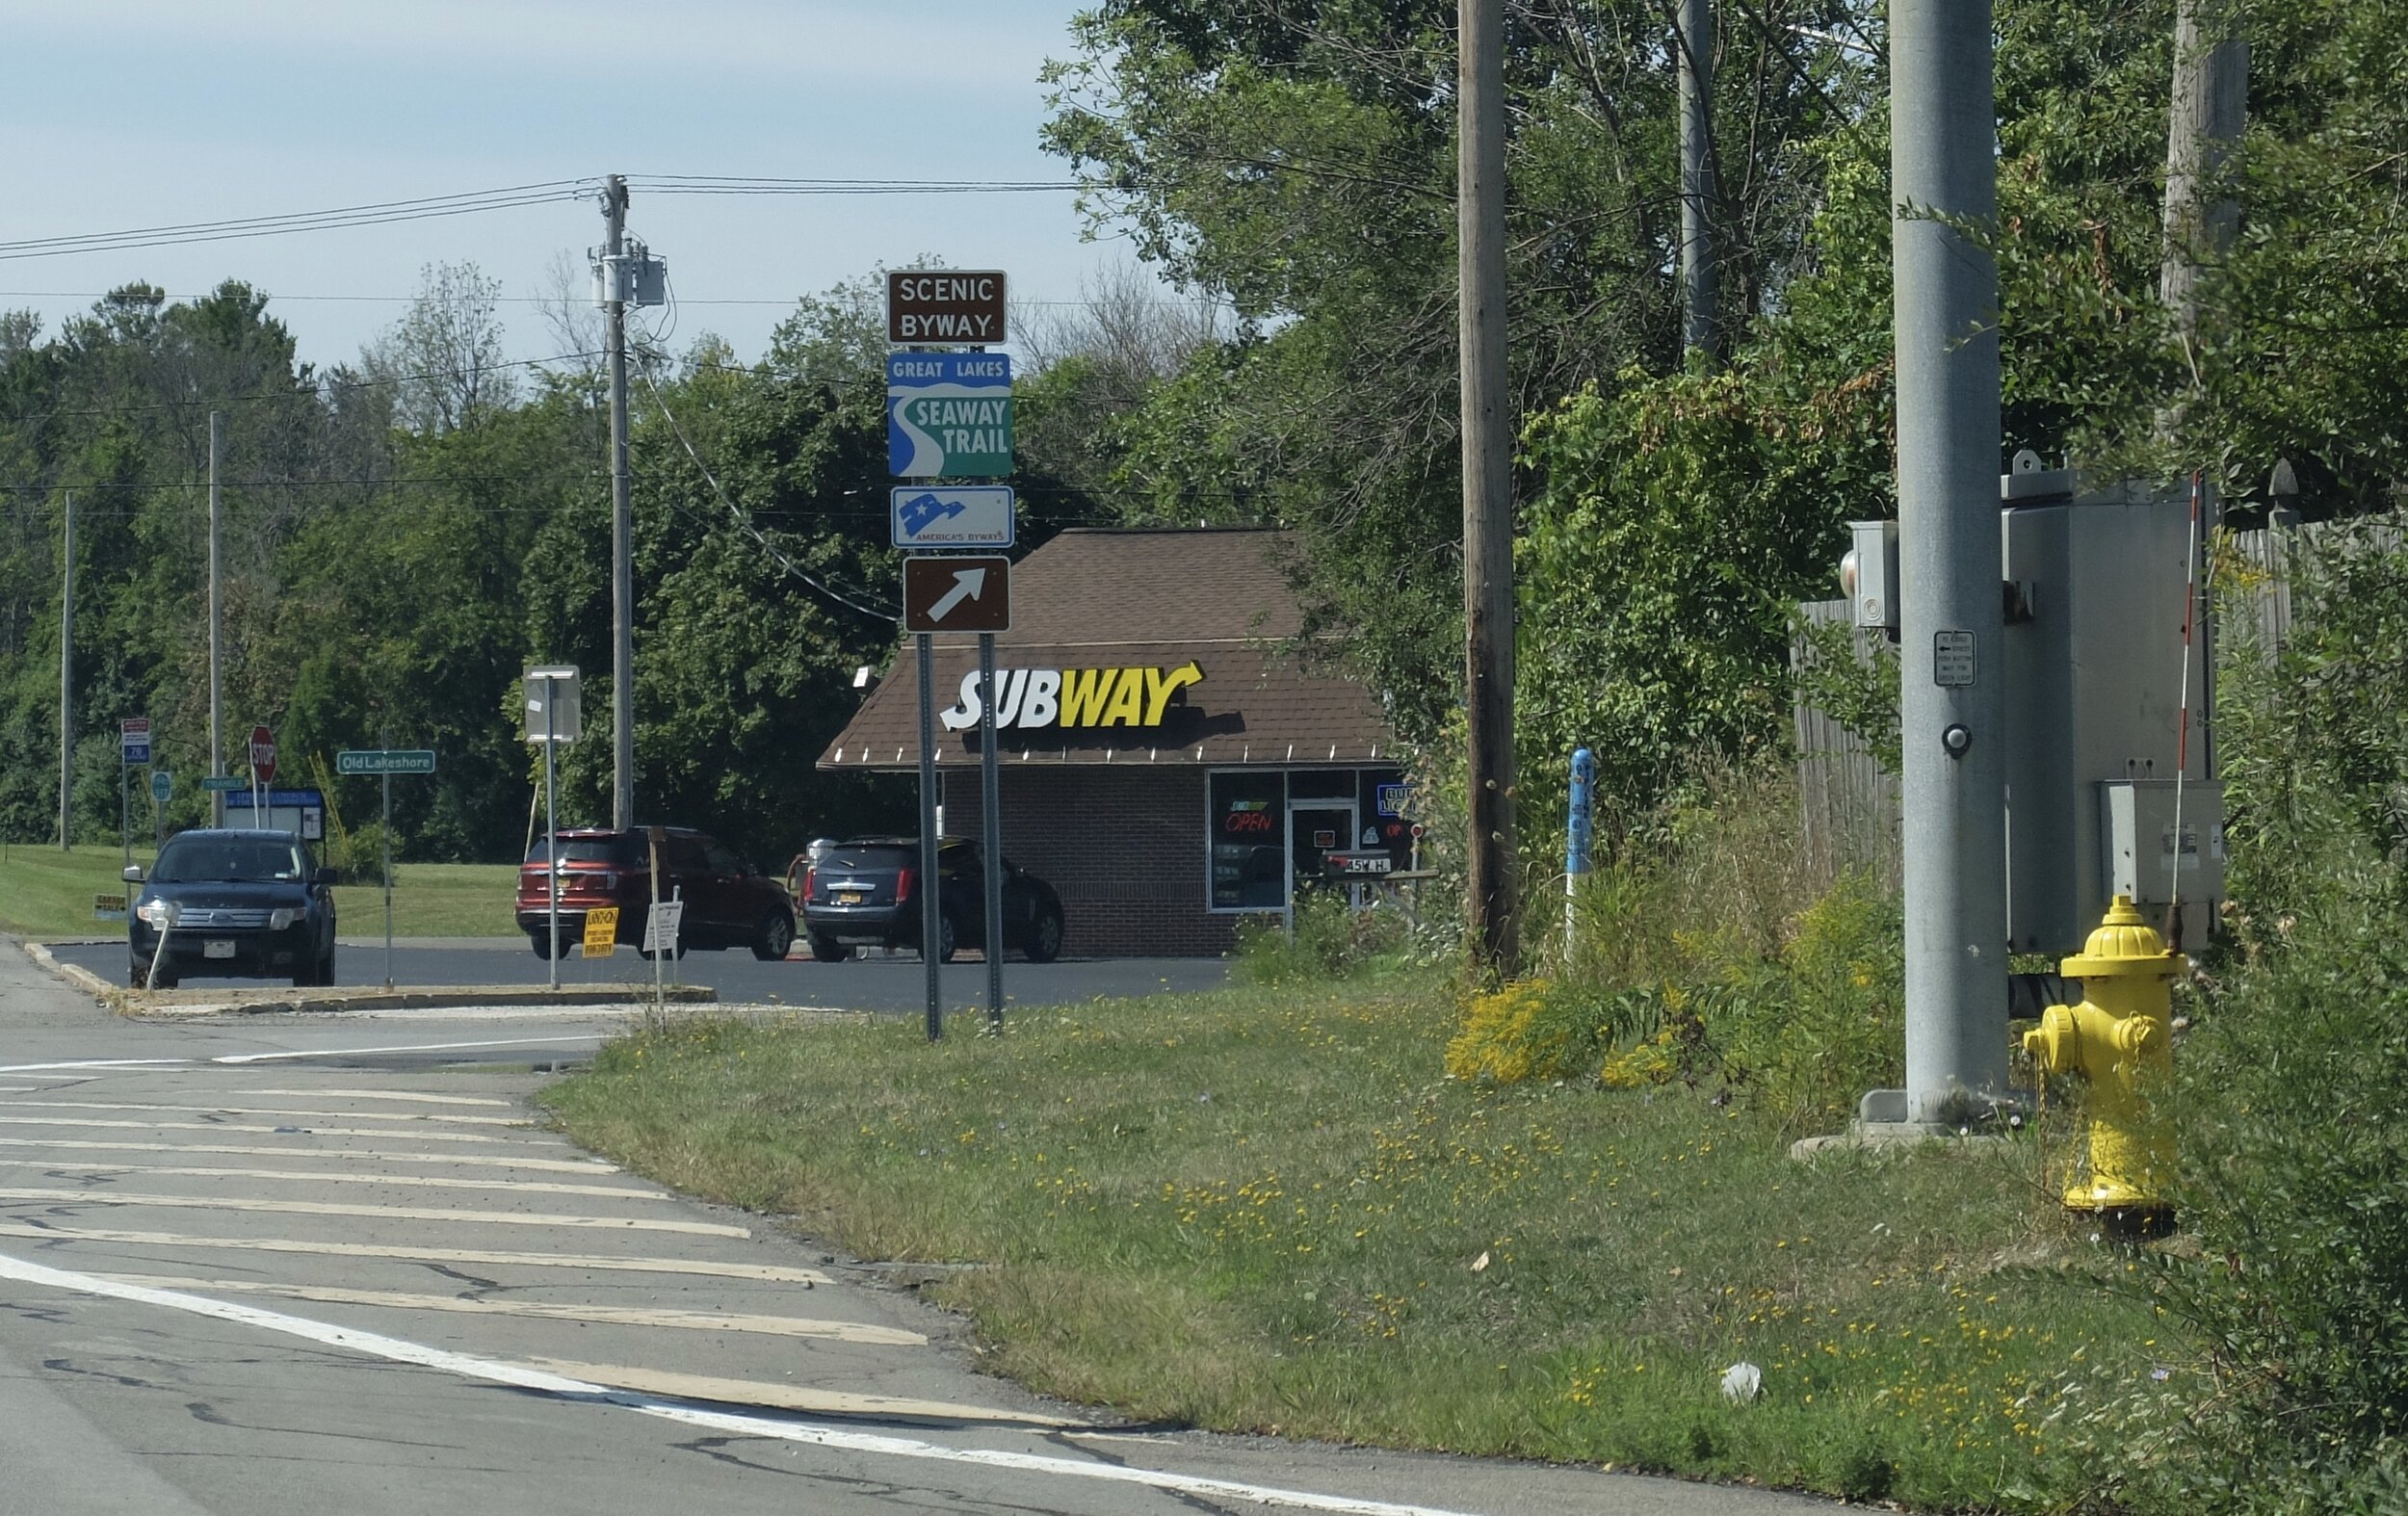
[1030,699]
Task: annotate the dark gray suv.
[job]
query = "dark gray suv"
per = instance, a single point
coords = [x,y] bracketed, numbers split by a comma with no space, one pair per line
[231,904]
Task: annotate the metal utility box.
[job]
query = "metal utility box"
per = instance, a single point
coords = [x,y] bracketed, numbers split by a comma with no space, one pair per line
[1869,575]
[2096,591]
[2136,817]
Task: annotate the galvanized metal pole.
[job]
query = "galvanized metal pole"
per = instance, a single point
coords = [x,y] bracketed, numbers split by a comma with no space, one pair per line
[622,528]
[216,622]
[991,841]
[551,835]
[67,681]
[1487,424]
[1701,272]
[930,910]
[1944,176]
[385,842]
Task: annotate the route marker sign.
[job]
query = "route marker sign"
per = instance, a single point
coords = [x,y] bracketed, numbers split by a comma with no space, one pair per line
[601,932]
[935,305]
[384,760]
[948,414]
[162,786]
[956,594]
[954,515]
[134,740]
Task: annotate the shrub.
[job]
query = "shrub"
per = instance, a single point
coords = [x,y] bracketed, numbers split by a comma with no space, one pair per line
[1330,940]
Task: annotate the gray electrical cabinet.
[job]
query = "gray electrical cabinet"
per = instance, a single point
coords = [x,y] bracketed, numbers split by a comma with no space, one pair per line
[2096,588]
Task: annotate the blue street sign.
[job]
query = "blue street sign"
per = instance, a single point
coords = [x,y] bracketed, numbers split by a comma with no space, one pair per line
[947,415]
[953,515]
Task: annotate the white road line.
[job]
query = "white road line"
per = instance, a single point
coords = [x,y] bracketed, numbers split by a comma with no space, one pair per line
[262,1110]
[390,1095]
[599,1315]
[549,1166]
[414,1047]
[767,1273]
[531,1186]
[237,1126]
[44,1068]
[600,1223]
[395,1349]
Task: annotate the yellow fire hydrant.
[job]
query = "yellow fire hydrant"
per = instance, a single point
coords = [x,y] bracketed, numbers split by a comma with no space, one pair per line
[2120,1038]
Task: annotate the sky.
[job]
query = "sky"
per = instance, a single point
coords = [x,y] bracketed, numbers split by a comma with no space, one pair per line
[122,113]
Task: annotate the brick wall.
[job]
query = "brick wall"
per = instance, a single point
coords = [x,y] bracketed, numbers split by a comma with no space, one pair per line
[1124,846]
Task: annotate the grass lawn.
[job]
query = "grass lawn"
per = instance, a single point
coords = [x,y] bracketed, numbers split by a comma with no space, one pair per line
[46,893]
[1263,1210]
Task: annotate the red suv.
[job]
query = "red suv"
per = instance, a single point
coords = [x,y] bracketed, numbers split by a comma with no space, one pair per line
[727,905]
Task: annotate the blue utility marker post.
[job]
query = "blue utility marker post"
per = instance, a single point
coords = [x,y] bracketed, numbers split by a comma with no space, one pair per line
[1579,833]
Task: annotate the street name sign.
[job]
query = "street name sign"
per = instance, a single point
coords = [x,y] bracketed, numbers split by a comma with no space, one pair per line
[956,594]
[389,760]
[937,305]
[954,515]
[947,415]
[134,740]
[228,782]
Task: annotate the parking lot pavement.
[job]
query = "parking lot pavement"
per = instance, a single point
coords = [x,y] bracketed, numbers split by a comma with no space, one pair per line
[872,982]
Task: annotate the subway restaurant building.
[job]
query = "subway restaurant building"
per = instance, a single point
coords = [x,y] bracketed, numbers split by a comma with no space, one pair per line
[1169,762]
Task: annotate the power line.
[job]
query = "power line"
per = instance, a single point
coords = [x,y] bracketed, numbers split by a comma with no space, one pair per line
[745,522]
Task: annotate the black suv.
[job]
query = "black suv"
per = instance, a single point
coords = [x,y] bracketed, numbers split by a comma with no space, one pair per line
[231,904]
[865,892]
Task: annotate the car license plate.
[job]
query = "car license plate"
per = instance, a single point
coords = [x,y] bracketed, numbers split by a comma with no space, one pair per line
[849,897]
[217,948]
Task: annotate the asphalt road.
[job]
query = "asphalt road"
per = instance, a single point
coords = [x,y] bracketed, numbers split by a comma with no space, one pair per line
[338,1263]
[863,983]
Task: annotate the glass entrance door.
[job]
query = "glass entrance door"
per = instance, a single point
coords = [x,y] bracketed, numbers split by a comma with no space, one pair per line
[1316,830]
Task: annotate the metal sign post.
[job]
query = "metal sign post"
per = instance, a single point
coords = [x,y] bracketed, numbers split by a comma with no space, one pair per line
[385,762]
[553,710]
[990,816]
[932,912]
[652,916]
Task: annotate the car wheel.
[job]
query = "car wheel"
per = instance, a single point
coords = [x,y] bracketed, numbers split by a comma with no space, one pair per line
[776,934]
[137,973]
[1045,943]
[944,936]
[163,977]
[828,950]
[541,942]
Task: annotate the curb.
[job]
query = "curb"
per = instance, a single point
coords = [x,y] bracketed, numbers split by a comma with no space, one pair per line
[155,1003]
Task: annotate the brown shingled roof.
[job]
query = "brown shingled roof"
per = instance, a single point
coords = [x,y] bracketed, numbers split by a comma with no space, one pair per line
[1144,598]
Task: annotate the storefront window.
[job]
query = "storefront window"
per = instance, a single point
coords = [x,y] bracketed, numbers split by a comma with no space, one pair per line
[1248,825]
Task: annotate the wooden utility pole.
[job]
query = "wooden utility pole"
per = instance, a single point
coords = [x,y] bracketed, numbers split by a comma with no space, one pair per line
[2211,107]
[1488,480]
[1701,273]
[622,531]
[66,682]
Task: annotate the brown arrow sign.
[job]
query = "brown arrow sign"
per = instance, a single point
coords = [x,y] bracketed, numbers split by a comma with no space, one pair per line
[956,594]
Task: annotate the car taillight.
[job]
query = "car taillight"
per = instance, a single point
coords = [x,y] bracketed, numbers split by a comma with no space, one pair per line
[902,885]
[810,883]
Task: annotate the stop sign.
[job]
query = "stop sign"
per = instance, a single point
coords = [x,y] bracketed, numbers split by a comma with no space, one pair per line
[263,755]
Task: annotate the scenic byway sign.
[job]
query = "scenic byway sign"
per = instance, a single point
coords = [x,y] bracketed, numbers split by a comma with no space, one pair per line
[953,515]
[947,415]
[936,305]
[956,594]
